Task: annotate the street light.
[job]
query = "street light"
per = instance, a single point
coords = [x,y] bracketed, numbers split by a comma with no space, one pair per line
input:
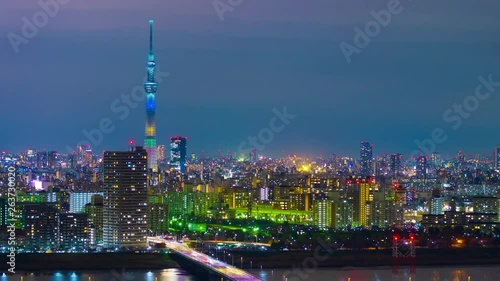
[241,262]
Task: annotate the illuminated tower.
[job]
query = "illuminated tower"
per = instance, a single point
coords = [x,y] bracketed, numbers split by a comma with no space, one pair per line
[151,86]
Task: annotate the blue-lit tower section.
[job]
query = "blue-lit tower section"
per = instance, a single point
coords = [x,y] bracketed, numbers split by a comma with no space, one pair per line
[151,86]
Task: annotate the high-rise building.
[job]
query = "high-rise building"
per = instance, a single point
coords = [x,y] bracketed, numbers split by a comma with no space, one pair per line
[41,225]
[178,153]
[95,212]
[161,154]
[436,159]
[150,86]
[421,168]
[343,214]
[51,159]
[437,206]
[396,164]
[73,232]
[360,195]
[3,211]
[42,159]
[496,158]
[125,198]
[399,205]
[158,217]
[461,158]
[324,213]
[366,156]
[78,200]
[180,203]
[382,211]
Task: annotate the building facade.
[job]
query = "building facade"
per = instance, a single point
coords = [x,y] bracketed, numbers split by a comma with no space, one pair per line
[125,198]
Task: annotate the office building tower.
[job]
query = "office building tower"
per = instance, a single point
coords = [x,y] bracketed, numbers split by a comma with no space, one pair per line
[366,156]
[178,153]
[125,198]
[150,86]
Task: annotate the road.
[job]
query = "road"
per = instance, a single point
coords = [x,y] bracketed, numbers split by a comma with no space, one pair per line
[221,268]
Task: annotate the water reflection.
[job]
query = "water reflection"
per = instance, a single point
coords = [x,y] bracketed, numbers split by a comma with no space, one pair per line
[483,273]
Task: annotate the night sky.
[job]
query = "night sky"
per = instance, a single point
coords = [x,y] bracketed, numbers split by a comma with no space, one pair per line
[227,76]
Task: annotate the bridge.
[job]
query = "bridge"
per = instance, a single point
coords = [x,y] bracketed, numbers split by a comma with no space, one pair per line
[214,266]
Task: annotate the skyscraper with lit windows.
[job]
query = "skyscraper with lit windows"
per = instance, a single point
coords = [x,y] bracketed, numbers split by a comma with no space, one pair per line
[366,155]
[150,86]
[496,158]
[125,199]
[178,153]
[421,167]
[396,164]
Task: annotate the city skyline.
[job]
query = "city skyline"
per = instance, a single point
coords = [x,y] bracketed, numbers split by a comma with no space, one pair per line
[250,140]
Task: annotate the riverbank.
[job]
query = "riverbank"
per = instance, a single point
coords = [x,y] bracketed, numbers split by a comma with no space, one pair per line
[94,261]
[366,258]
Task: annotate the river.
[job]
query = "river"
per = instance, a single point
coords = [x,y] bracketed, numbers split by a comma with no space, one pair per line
[459,273]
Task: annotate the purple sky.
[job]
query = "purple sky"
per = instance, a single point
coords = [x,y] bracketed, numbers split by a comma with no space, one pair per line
[227,76]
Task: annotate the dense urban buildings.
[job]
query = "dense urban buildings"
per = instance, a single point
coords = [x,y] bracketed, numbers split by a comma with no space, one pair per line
[86,201]
[106,202]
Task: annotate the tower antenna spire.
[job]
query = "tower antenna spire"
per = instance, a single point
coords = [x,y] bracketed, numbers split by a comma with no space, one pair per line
[151,36]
